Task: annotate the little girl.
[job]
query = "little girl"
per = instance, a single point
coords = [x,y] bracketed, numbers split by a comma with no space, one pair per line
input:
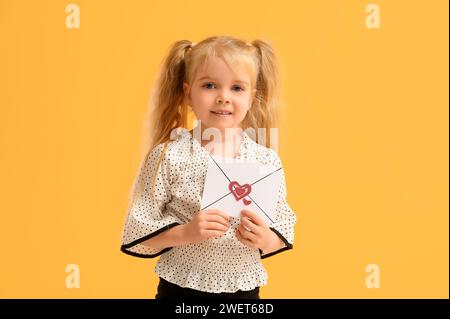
[231,87]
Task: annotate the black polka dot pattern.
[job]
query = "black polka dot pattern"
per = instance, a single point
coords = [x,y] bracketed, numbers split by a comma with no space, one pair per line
[216,265]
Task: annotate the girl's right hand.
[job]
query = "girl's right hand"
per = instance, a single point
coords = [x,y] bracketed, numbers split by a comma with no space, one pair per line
[206,224]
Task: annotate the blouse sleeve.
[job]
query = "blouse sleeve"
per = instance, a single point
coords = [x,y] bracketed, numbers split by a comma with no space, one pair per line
[285,217]
[147,216]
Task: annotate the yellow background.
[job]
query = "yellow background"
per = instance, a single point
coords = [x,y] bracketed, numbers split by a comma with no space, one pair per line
[364,141]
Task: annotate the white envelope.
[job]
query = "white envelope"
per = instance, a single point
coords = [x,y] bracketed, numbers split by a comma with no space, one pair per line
[232,185]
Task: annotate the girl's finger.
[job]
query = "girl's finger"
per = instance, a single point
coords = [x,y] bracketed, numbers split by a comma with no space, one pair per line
[253,216]
[248,224]
[216,212]
[216,226]
[217,218]
[244,241]
[246,234]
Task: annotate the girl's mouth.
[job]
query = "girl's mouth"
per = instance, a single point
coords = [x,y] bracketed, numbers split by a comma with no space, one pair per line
[221,113]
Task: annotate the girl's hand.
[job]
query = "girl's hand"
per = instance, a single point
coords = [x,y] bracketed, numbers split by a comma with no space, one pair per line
[258,234]
[206,224]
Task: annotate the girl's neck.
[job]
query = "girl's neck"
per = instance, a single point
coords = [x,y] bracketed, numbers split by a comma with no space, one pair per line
[225,144]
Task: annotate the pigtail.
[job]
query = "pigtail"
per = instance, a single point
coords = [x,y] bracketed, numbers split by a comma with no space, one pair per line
[166,111]
[264,112]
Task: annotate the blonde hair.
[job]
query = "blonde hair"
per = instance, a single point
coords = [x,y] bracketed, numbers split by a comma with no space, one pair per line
[168,109]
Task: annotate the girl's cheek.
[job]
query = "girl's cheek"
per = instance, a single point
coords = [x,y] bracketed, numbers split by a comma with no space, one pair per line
[206,98]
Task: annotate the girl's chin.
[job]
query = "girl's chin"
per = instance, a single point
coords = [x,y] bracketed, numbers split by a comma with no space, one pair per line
[218,122]
[218,126]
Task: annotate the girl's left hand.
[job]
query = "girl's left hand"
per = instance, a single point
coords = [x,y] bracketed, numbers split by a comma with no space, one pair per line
[258,234]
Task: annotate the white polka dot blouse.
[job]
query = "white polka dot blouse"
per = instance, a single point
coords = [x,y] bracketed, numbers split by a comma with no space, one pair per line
[215,265]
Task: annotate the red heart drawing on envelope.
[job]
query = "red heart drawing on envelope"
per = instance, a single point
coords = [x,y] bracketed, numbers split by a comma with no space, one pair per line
[239,191]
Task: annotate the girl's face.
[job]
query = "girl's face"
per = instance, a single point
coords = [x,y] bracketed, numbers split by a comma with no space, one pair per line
[216,89]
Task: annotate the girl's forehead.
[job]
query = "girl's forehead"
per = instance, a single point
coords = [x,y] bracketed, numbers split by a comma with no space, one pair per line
[215,67]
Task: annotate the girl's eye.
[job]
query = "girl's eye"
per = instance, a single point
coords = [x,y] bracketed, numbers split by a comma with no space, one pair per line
[208,85]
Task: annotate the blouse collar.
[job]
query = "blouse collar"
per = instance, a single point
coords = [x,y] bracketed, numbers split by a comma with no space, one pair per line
[197,147]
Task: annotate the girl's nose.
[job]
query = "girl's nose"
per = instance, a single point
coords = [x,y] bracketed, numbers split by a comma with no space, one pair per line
[222,99]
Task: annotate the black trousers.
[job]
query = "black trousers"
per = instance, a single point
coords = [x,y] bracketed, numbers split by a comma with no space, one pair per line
[168,290]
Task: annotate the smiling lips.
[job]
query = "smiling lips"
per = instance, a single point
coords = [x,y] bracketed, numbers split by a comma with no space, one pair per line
[221,112]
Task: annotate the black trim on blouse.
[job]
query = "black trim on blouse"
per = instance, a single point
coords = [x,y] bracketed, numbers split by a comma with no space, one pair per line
[288,245]
[124,248]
